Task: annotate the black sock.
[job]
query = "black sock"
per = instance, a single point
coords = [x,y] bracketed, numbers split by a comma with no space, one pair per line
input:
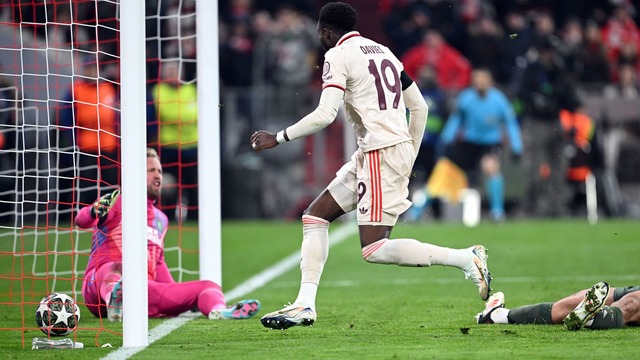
[610,317]
[531,314]
[618,293]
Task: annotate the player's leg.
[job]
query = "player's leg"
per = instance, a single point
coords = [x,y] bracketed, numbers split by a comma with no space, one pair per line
[563,307]
[379,205]
[496,313]
[494,184]
[592,303]
[333,202]
[171,299]
[91,294]
[624,311]
[108,277]
[315,245]
[541,313]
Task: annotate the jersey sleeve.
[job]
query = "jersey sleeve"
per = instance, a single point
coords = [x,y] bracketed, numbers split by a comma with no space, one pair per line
[84,220]
[513,128]
[451,127]
[334,72]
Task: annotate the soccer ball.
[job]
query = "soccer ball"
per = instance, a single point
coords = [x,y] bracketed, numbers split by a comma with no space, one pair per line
[57,314]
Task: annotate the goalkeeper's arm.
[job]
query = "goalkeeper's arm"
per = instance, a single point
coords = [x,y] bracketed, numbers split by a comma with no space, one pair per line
[97,212]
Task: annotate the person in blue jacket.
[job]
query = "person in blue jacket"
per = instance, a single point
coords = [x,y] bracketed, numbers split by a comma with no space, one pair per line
[475,131]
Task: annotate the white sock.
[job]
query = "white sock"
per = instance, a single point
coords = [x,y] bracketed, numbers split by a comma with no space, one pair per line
[313,255]
[500,316]
[410,252]
[460,258]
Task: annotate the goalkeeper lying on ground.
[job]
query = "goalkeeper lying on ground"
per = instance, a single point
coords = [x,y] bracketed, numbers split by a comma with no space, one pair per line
[102,285]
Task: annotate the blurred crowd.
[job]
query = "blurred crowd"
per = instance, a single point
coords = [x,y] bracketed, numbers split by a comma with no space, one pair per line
[546,56]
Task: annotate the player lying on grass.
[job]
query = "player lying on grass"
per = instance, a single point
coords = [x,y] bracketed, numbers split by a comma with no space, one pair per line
[374,183]
[599,307]
[102,285]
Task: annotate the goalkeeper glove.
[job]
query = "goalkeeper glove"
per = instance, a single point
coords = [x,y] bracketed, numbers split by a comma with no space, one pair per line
[100,209]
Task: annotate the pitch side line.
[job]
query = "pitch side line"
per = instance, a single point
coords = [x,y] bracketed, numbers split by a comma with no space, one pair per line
[255,282]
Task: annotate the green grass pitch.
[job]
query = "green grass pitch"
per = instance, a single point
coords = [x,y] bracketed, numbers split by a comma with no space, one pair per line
[368,311]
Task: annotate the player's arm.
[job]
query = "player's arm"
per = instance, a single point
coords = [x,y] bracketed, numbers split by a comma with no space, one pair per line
[452,126]
[513,129]
[317,120]
[418,109]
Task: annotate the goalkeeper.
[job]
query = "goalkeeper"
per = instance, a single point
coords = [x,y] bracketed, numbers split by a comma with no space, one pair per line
[102,286]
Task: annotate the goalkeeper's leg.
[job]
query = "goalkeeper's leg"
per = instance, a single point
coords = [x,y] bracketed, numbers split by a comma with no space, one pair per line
[97,287]
[175,298]
[107,276]
[172,299]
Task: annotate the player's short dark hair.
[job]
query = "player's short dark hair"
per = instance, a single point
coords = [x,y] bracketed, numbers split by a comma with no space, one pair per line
[338,16]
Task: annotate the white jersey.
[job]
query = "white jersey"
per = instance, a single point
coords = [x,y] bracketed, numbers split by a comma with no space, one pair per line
[369,74]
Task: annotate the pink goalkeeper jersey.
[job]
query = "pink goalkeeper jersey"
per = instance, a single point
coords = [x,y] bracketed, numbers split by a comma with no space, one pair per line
[369,74]
[106,244]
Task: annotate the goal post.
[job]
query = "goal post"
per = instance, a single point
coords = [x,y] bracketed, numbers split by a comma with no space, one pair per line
[209,221]
[134,165]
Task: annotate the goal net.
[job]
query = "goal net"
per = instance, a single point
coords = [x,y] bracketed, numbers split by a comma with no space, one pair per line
[60,142]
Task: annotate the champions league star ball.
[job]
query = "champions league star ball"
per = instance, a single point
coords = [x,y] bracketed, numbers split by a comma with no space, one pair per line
[57,314]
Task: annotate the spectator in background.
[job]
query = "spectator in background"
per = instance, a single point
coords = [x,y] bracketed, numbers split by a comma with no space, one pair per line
[628,56]
[452,68]
[475,131]
[290,52]
[626,87]
[593,56]
[619,136]
[516,40]
[236,61]
[483,46]
[581,150]
[620,29]
[91,126]
[540,83]
[236,55]
[572,38]
[177,137]
[544,28]
[429,151]
[436,99]
[405,26]
[238,10]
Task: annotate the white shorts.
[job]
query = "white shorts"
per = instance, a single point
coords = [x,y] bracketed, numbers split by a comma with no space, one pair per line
[376,184]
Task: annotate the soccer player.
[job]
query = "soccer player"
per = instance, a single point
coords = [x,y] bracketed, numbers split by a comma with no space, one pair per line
[102,285]
[599,307]
[375,90]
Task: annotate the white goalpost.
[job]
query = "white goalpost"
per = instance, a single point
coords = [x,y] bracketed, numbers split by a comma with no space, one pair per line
[134,208]
[209,223]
